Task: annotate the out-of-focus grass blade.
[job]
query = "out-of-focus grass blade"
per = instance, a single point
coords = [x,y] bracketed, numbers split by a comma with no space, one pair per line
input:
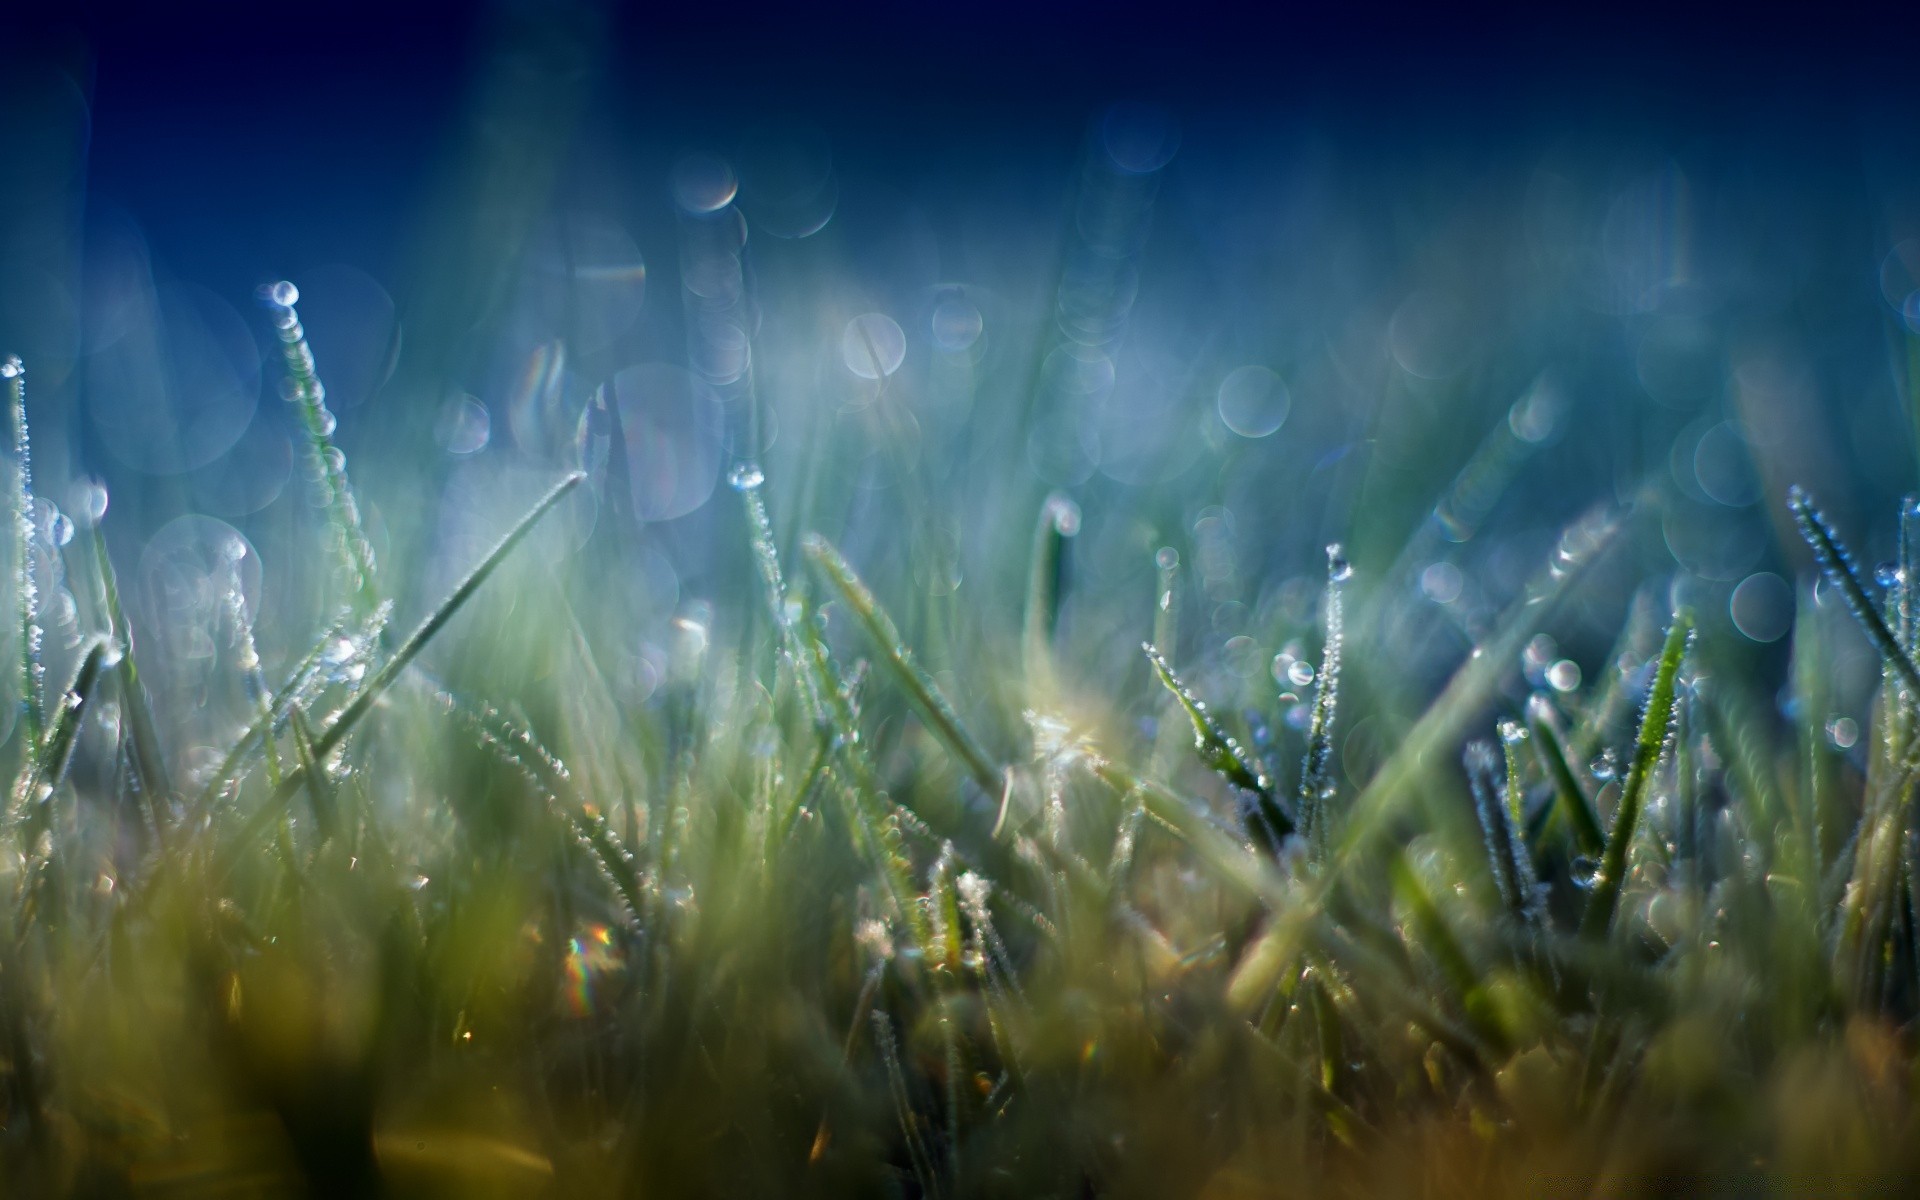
[148,761]
[1654,722]
[1316,774]
[919,685]
[320,788]
[1442,725]
[456,599]
[48,768]
[1573,800]
[1059,521]
[390,671]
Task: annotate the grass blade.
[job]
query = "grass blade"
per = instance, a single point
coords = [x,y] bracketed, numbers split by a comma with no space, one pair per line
[1316,777]
[920,686]
[1059,520]
[26,593]
[1837,565]
[1270,824]
[1654,723]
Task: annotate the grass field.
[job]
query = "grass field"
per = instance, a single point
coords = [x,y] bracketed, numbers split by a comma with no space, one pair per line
[1202,712]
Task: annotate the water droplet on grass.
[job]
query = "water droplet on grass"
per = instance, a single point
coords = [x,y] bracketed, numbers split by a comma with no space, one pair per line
[283,294]
[746,476]
[12,368]
[1339,568]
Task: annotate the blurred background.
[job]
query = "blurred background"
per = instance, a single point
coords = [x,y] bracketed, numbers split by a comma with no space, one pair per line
[1429,283]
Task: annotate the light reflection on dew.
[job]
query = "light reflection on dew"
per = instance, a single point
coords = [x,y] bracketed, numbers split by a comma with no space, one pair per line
[591,958]
[183,582]
[873,345]
[1253,401]
[463,426]
[703,183]
[672,424]
[180,387]
[957,323]
[1762,607]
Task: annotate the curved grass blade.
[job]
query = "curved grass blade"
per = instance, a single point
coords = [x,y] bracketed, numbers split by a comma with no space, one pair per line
[941,717]
[320,789]
[1654,724]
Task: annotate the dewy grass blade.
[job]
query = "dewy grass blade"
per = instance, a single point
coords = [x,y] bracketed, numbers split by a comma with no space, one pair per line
[1838,567]
[939,714]
[305,391]
[1316,775]
[26,592]
[456,599]
[1268,822]
[1440,727]
[363,702]
[1654,724]
[48,768]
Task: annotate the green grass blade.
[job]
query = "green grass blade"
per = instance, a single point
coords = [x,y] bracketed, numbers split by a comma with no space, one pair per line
[1270,824]
[26,593]
[456,599]
[1654,723]
[336,493]
[926,695]
[1838,567]
[1316,770]
[1046,572]
[149,764]
[48,768]
[383,679]
[1575,805]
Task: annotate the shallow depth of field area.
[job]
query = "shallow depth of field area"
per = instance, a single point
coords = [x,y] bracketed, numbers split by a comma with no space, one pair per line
[822,648]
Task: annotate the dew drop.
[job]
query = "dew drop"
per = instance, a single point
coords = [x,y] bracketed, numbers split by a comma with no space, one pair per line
[283,294]
[1300,673]
[1843,732]
[327,422]
[60,530]
[746,476]
[1166,558]
[1339,568]
[1564,676]
[93,501]
[1604,766]
[12,368]
[1582,871]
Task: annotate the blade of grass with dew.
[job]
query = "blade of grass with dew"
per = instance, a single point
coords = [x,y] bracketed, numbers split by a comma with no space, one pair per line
[1271,825]
[336,494]
[1444,721]
[319,785]
[1316,775]
[1507,856]
[48,768]
[926,695]
[1837,565]
[32,677]
[294,689]
[375,687]
[1654,723]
